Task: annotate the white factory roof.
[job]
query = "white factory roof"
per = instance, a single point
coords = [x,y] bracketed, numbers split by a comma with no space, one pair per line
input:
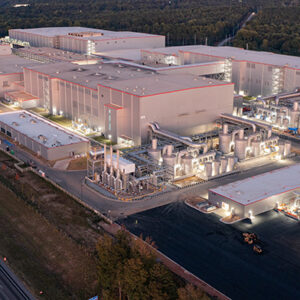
[65,31]
[234,53]
[262,186]
[14,64]
[39,129]
[132,79]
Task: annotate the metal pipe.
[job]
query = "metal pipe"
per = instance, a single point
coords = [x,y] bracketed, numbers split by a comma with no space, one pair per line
[239,120]
[186,141]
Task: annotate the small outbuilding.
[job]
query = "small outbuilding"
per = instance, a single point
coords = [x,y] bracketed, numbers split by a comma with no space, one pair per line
[44,138]
[257,194]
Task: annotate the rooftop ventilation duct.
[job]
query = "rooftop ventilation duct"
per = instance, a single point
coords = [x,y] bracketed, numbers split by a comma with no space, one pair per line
[33,121]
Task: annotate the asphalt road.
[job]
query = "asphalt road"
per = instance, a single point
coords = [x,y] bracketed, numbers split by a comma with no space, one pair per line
[216,253]
[10,287]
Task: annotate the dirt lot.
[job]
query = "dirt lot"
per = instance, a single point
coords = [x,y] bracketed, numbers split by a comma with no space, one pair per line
[48,238]
[78,164]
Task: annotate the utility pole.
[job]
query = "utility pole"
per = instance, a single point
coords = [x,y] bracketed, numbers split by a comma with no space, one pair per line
[206,41]
[195,39]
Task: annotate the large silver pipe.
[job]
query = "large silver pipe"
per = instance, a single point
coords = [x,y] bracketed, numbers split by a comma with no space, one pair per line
[239,120]
[173,136]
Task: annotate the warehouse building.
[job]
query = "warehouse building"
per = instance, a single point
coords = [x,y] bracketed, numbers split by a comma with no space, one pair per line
[122,99]
[86,40]
[258,194]
[42,137]
[253,72]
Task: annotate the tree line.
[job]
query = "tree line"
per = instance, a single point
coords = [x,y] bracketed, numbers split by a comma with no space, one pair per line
[273,29]
[184,22]
[129,270]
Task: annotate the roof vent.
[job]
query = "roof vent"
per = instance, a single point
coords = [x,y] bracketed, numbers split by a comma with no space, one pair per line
[109,77]
[100,67]
[87,80]
[42,138]
[33,121]
[74,77]
[15,124]
[139,70]
[22,116]
[57,72]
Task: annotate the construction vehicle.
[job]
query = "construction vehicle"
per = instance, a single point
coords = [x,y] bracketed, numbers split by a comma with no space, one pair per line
[257,249]
[249,238]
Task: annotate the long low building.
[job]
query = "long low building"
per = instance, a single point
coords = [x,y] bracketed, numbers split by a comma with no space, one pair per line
[258,194]
[47,140]
[123,99]
[86,40]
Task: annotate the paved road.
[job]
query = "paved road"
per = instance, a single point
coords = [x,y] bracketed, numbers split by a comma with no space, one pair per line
[228,39]
[216,253]
[10,286]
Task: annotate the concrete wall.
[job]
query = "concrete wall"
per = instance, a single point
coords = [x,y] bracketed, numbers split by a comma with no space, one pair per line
[35,40]
[67,150]
[218,199]
[129,43]
[188,111]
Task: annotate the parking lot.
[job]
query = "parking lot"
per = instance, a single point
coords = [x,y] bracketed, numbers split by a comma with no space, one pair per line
[216,253]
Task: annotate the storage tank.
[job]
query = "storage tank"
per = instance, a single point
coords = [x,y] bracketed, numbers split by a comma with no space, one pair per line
[294,118]
[224,142]
[255,148]
[240,148]
[208,169]
[278,121]
[230,163]
[187,162]
[154,152]
[216,168]
[223,167]
[281,148]
[169,158]
[287,148]
[285,123]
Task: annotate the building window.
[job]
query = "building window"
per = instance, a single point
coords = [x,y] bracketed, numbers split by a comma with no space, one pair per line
[5,84]
[8,133]
[270,69]
[2,130]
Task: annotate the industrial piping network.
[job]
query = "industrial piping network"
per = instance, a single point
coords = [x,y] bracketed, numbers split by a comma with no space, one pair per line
[184,140]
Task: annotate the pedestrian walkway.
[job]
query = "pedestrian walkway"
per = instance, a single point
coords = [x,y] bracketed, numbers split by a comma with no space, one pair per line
[62,164]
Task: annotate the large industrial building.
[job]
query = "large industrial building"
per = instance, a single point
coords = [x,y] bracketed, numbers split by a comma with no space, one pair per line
[41,136]
[122,99]
[258,194]
[86,40]
[253,72]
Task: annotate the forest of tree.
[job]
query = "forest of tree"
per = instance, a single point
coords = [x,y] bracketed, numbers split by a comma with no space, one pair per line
[274,29]
[128,270]
[184,22]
